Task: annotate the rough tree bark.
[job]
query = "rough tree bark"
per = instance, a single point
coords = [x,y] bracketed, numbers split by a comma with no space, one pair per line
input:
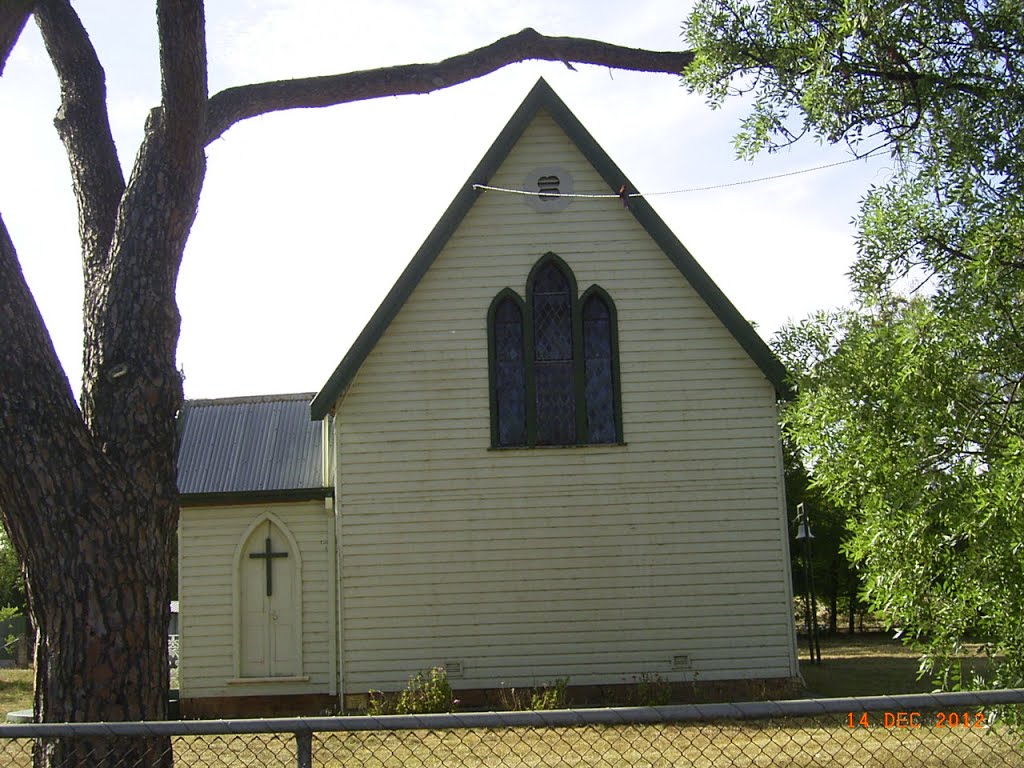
[13,16]
[88,492]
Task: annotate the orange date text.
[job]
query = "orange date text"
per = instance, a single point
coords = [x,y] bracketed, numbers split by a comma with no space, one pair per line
[898,720]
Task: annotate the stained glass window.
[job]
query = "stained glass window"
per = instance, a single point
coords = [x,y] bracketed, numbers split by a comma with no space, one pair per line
[510,374]
[553,357]
[598,387]
[554,363]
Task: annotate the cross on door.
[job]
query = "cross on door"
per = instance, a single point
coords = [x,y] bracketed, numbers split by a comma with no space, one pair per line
[268,554]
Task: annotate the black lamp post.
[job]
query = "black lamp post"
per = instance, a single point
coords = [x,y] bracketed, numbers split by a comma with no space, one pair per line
[804,534]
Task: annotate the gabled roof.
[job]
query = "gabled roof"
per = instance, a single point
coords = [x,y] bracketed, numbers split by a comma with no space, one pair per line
[542,97]
[251,448]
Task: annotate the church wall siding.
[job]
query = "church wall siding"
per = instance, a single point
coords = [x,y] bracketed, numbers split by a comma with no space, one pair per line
[600,562]
[210,536]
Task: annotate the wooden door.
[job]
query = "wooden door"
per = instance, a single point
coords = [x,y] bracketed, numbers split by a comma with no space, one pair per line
[269,624]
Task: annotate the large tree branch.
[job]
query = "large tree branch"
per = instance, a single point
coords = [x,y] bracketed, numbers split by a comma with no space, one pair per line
[28,357]
[181,27]
[84,127]
[236,104]
[13,15]
[910,76]
[94,538]
[131,390]
[38,416]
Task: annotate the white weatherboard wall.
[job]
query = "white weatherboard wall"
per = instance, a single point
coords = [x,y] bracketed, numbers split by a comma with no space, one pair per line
[600,562]
[209,537]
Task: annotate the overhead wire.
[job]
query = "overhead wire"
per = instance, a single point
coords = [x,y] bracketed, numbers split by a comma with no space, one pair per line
[685,190]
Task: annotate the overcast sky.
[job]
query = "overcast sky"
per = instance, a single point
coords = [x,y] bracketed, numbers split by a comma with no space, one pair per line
[308,217]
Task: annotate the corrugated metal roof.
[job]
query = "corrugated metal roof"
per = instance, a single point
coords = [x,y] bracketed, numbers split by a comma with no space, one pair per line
[249,444]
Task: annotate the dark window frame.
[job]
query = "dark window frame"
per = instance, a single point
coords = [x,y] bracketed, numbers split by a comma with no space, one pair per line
[526,307]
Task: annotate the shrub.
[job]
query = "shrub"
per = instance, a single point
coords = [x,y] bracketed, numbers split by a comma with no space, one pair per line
[650,690]
[514,699]
[550,696]
[379,703]
[425,692]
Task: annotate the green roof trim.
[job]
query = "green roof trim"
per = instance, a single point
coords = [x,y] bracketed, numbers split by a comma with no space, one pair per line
[543,97]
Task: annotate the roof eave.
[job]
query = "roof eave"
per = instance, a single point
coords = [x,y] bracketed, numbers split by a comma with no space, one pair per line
[542,96]
[236,498]
[428,252]
[678,254]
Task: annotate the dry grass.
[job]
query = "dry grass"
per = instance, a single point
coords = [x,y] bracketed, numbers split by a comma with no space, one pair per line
[804,743]
[867,665]
[861,665]
[808,743]
[15,691]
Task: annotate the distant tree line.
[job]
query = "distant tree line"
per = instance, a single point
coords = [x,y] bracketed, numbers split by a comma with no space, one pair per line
[836,583]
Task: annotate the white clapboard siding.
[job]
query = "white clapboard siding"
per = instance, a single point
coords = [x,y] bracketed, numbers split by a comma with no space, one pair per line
[209,537]
[599,563]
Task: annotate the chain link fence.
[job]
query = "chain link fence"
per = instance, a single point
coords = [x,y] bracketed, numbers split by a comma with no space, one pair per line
[954,729]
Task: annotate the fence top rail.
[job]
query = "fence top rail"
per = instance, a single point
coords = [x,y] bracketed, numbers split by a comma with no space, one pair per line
[752,710]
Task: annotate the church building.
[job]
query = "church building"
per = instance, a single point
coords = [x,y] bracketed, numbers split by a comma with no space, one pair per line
[553,452]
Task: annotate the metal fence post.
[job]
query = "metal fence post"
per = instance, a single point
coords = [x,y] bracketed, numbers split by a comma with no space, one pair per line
[304,748]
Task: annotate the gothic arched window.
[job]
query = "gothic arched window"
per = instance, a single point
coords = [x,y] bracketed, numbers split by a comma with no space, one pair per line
[599,356]
[554,362]
[552,299]
[509,368]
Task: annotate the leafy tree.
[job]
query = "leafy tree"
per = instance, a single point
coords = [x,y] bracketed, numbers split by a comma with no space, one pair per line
[88,490]
[909,409]
[834,579]
[904,423]
[12,586]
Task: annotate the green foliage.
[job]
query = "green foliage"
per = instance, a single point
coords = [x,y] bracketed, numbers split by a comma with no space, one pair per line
[924,76]
[425,692]
[550,696]
[8,612]
[514,699]
[939,86]
[902,420]
[379,703]
[835,579]
[12,583]
[650,690]
[909,411]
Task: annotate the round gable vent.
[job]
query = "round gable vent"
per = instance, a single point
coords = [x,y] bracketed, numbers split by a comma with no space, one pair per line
[551,183]
[547,186]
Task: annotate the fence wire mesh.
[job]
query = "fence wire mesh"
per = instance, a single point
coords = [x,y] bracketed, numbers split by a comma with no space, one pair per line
[943,730]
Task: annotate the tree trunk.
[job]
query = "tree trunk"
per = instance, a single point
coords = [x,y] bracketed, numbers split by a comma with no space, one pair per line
[92,503]
[852,583]
[94,565]
[89,495]
[102,624]
[833,593]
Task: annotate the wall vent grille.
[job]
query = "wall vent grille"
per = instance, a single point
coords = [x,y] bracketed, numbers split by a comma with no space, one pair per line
[548,187]
[681,661]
